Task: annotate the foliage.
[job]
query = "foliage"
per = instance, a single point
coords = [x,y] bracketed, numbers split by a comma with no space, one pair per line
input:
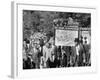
[42,21]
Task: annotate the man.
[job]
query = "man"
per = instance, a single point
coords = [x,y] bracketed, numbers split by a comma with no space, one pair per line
[41,43]
[35,55]
[46,54]
[76,51]
[81,53]
[86,52]
[49,55]
[26,58]
[53,59]
[58,56]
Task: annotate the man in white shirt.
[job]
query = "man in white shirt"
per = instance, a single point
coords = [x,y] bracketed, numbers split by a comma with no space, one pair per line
[46,54]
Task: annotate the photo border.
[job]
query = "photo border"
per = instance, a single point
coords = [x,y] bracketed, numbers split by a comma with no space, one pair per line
[17,70]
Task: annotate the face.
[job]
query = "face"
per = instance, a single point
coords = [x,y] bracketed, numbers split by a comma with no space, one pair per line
[53,42]
[47,45]
[35,45]
[24,43]
[76,43]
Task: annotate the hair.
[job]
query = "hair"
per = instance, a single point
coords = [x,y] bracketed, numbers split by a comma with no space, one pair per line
[76,40]
[81,41]
[85,42]
[85,37]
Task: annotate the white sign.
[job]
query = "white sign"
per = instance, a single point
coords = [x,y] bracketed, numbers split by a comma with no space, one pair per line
[65,37]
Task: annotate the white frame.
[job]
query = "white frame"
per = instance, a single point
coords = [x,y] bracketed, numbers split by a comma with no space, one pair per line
[17,70]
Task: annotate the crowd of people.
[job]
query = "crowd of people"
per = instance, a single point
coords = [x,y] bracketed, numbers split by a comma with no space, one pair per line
[48,55]
[39,49]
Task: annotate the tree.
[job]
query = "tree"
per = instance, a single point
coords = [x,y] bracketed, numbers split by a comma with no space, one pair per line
[42,21]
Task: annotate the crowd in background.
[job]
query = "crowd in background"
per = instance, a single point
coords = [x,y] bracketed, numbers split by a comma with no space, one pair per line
[48,55]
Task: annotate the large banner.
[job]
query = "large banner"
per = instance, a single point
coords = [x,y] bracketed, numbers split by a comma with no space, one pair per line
[65,37]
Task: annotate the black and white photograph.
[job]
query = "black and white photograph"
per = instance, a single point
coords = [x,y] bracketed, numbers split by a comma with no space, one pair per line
[55,39]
